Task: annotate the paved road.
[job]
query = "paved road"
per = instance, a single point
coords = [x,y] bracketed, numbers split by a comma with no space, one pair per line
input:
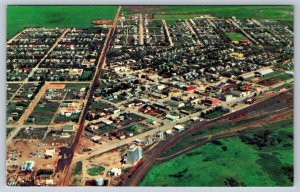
[141,31]
[101,61]
[168,32]
[193,31]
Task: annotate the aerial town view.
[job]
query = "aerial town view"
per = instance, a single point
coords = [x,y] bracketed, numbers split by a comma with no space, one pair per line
[150,95]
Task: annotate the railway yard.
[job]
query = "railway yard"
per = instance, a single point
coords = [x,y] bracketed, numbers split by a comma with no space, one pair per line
[101,105]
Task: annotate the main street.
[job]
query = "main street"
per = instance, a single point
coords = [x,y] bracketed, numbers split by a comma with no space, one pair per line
[101,61]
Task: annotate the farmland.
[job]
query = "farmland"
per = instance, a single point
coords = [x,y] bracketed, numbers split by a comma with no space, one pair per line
[285,13]
[230,159]
[19,17]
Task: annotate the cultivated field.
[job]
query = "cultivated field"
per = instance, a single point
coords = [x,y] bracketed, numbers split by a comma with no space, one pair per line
[285,13]
[19,17]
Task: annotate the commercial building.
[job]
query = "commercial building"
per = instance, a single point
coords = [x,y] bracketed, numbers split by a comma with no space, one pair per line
[134,154]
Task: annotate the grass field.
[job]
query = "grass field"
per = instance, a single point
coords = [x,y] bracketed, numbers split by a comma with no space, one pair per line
[235,36]
[95,170]
[20,17]
[9,130]
[282,13]
[76,85]
[214,163]
[194,138]
[77,169]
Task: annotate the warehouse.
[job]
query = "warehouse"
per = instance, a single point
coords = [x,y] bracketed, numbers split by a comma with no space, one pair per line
[263,72]
[179,128]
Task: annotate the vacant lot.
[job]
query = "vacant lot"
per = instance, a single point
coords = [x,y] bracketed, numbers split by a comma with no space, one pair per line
[44,112]
[20,17]
[31,133]
[217,163]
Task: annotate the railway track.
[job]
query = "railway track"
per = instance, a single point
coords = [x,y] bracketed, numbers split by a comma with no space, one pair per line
[163,146]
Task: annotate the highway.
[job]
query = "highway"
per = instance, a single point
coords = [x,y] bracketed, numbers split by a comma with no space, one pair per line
[273,103]
[101,61]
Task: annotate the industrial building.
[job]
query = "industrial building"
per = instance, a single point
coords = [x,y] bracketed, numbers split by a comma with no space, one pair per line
[134,154]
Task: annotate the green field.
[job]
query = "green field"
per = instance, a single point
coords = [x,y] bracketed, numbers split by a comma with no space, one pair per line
[95,170]
[235,36]
[20,17]
[77,170]
[234,160]
[282,13]
[195,137]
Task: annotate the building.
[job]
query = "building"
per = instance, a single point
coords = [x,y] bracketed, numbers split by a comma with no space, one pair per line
[227,98]
[246,76]
[160,135]
[99,181]
[134,154]
[175,104]
[115,172]
[74,72]
[190,88]
[27,166]
[172,117]
[179,128]
[212,102]
[264,71]
[49,153]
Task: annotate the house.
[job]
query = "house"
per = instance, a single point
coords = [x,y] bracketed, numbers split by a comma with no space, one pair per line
[175,104]
[151,121]
[160,135]
[115,172]
[96,139]
[76,72]
[227,98]
[189,88]
[67,109]
[49,153]
[106,122]
[212,102]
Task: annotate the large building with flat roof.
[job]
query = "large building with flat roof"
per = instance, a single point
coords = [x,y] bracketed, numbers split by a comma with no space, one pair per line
[134,154]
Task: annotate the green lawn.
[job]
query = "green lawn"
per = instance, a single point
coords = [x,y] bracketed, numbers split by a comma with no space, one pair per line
[76,85]
[9,130]
[214,163]
[235,36]
[194,138]
[95,170]
[77,170]
[20,17]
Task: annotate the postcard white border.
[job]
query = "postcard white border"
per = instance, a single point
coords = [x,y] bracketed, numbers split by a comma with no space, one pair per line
[4,3]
